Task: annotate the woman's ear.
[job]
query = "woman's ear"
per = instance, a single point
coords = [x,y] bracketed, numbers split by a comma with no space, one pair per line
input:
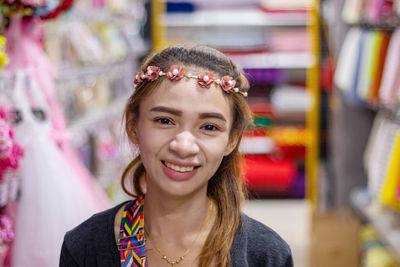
[232,144]
[132,128]
[133,136]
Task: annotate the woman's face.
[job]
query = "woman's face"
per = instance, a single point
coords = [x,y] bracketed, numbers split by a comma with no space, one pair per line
[183,134]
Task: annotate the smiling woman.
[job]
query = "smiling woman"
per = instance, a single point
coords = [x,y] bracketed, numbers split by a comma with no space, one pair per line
[186,115]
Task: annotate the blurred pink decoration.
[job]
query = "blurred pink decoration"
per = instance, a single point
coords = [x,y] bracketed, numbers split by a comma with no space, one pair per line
[24,41]
[25,51]
[10,152]
[6,229]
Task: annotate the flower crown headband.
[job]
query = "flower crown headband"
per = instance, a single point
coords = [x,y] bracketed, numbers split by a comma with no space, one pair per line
[176,73]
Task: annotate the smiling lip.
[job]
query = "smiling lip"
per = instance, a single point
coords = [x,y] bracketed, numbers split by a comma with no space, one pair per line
[178,171]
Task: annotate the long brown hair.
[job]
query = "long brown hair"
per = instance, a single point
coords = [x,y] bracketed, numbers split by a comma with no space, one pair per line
[225,187]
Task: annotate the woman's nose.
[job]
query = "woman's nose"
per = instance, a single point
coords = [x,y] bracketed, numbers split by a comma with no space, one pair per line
[184,144]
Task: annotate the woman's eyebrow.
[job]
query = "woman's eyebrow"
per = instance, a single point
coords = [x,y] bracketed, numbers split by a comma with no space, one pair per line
[176,112]
[167,110]
[214,115]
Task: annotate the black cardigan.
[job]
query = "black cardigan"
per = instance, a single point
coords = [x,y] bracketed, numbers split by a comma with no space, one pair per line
[92,243]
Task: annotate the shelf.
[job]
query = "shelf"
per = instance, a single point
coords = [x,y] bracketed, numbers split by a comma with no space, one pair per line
[233,18]
[282,60]
[96,116]
[386,222]
[75,73]
[98,15]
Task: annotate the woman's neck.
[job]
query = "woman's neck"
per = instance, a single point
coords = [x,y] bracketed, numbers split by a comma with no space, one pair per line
[176,220]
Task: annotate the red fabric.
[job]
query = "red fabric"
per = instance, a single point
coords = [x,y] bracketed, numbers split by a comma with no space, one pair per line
[265,174]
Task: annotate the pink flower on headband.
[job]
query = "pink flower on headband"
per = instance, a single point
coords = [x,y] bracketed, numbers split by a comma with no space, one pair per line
[175,73]
[205,79]
[227,84]
[152,73]
[138,78]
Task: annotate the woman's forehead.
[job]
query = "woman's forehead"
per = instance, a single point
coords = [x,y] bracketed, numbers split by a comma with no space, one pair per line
[187,95]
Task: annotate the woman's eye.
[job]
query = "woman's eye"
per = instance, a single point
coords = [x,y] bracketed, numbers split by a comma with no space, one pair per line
[210,127]
[164,121]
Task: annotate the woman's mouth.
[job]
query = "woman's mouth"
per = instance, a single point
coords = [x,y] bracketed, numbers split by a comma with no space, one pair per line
[179,172]
[179,168]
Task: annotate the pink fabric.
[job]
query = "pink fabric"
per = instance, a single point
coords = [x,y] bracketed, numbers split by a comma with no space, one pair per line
[25,52]
[379,10]
[398,193]
[288,41]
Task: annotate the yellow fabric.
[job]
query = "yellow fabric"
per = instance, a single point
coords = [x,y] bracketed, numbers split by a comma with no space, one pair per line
[3,56]
[392,179]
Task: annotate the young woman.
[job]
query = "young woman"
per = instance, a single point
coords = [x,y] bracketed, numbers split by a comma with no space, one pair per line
[186,115]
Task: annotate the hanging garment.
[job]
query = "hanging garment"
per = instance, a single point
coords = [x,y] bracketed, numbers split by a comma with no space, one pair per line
[53,200]
[378,152]
[391,78]
[370,148]
[366,65]
[352,96]
[379,11]
[392,178]
[351,12]
[380,51]
[347,61]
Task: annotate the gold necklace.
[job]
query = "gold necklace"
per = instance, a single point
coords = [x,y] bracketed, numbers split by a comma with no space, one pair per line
[181,258]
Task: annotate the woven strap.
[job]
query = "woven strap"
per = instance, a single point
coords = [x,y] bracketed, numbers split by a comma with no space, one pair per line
[131,242]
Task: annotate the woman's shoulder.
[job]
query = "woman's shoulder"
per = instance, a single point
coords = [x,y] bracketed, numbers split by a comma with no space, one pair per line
[96,233]
[97,222]
[259,245]
[256,229]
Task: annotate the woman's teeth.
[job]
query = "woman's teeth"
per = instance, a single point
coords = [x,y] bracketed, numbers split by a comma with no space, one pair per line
[179,168]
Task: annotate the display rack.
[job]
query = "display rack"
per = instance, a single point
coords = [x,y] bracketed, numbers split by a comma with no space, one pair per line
[275,60]
[75,73]
[96,116]
[385,221]
[162,23]
[73,76]
[235,18]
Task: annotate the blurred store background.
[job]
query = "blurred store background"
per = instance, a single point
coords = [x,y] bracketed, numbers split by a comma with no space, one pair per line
[322,163]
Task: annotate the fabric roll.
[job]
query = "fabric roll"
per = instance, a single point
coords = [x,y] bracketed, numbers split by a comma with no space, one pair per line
[269,175]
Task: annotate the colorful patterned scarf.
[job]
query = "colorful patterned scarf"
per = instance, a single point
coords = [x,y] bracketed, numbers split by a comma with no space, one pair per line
[131,242]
